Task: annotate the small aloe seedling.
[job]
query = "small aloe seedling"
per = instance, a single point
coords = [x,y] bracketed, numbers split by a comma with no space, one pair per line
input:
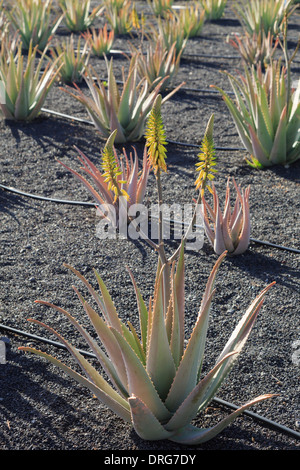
[110,109]
[229,230]
[34,22]
[155,381]
[25,87]
[100,41]
[117,177]
[71,60]
[214,9]
[77,14]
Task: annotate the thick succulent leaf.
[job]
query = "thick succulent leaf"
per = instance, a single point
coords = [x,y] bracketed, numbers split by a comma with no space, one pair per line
[117,367]
[191,405]
[244,236]
[219,242]
[118,407]
[238,120]
[144,422]
[161,371]
[139,382]
[143,312]
[194,436]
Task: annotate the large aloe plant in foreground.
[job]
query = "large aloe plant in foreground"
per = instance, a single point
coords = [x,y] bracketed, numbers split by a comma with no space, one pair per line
[155,381]
[154,375]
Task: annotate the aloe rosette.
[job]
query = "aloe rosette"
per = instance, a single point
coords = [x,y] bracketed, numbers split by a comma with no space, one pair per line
[111,109]
[229,230]
[154,381]
[266,112]
[33,20]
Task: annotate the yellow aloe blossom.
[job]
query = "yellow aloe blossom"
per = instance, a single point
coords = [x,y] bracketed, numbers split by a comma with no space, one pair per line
[207,158]
[155,138]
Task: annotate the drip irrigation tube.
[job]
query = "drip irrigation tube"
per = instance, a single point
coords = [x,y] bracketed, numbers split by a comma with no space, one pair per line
[91,204]
[267,422]
[72,118]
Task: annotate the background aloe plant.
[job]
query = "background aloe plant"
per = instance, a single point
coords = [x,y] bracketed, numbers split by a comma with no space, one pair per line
[78,15]
[25,87]
[266,114]
[118,176]
[34,21]
[230,230]
[110,109]
[160,7]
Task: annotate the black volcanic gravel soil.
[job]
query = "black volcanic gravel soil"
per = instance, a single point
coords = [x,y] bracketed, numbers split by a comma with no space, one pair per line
[40,407]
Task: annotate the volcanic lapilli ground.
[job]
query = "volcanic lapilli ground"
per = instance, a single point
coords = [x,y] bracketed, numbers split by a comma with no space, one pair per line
[42,409]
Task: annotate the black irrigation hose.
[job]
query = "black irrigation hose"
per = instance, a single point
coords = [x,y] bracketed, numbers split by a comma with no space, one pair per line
[85,121]
[91,204]
[255,416]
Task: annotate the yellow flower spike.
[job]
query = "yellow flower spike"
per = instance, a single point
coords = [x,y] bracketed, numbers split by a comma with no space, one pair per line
[206,157]
[111,169]
[155,138]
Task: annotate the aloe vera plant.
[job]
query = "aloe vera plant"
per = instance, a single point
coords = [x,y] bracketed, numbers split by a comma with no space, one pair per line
[266,114]
[118,176]
[71,60]
[155,381]
[191,18]
[160,7]
[78,16]
[100,41]
[25,85]
[170,31]
[110,109]
[154,377]
[228,231]
[34,21]
[121,16]
[214,9]
[262,15]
